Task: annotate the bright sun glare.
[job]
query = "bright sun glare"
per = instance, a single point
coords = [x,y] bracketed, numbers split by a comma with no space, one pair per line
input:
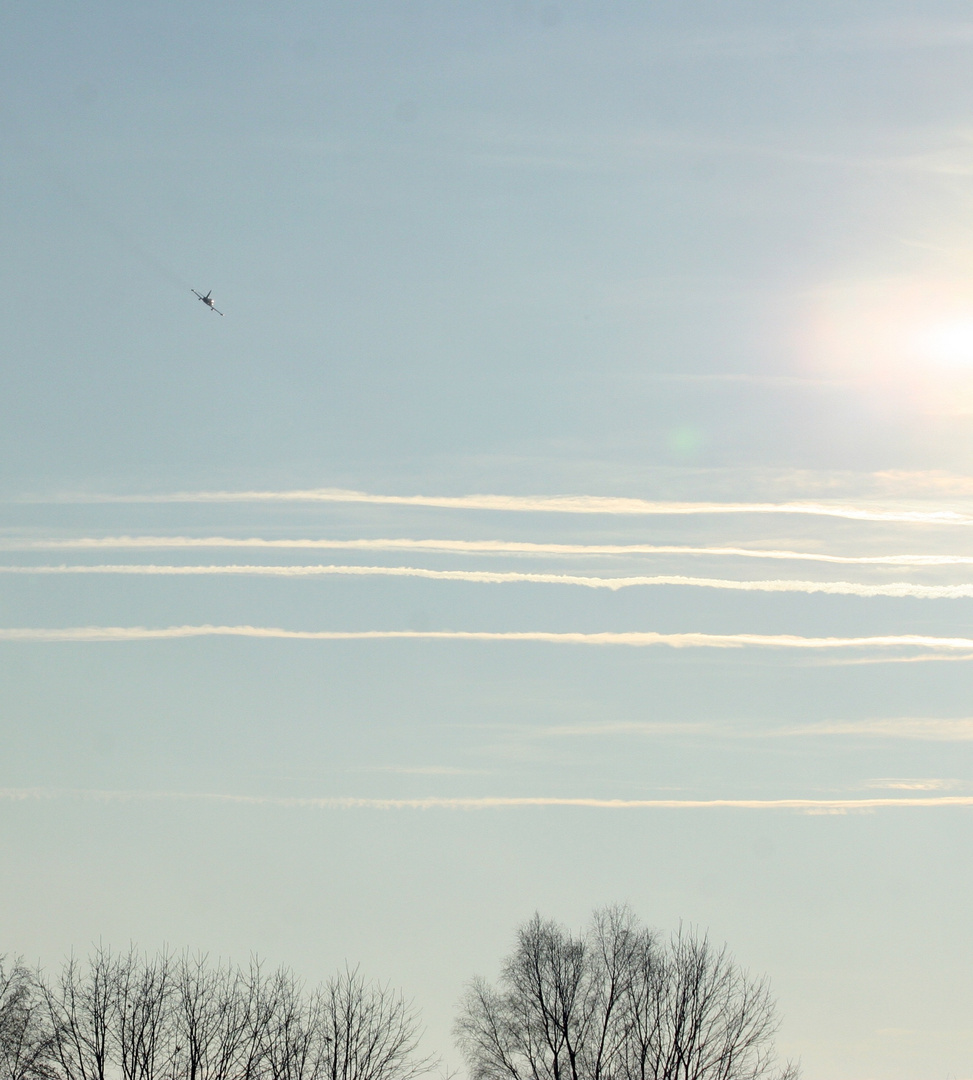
[894,330]
[949,343]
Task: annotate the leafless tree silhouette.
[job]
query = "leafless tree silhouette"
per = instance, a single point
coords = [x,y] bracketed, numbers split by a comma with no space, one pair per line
[25,1043]
[368,1032]
[616,1003]
[221,1021]
[143,1027]
[81,1006]
[129,1016]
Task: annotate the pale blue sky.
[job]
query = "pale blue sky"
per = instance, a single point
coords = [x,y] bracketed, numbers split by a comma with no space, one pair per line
[717,253]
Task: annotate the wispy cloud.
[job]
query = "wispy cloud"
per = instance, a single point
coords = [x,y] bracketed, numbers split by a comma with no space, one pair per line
[463,547]
[913,784]
[624,727]
[419,770]
[921,729]
[746,378]
[496,802]
[923,481]
[959,657]
[632,638]
[897,589]
[561,504]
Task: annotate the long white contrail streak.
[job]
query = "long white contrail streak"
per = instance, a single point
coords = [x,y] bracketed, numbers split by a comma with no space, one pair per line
[562,504]
[811,806]
[463,547]
[633,638]
[909,728]
[897,589]
[938,730]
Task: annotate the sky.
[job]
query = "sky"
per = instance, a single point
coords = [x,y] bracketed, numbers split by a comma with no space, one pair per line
[572,506]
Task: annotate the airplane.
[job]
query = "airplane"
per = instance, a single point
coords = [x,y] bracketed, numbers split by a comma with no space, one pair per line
[208,301]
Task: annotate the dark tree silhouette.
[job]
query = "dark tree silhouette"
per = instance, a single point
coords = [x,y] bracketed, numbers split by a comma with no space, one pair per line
[25,1042]
[128,1016]
[616,1003]
[367,1032]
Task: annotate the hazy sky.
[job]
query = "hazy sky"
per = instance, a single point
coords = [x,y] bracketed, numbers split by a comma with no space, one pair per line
[573,506]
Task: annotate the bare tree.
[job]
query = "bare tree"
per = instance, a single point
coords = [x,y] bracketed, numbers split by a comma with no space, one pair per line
[130,1017]
[698,1016]
[293,1047]
[143,1032]
[221,1019]
[111,1017]
[81,1011]
[367,1031]
[560,1013]
[25,1037]
[615,1004]
[621,953]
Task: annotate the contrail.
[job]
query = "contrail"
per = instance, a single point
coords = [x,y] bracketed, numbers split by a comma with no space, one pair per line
[500,547]
[922,730]
[936,730]
[633,638]
[898,589]
[562,504]
[808,806]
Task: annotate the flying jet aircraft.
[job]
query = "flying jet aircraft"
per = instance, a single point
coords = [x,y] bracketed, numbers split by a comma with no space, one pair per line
[208,301]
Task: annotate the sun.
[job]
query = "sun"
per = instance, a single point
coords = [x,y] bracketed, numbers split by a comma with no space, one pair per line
[949,343]
[892,330]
